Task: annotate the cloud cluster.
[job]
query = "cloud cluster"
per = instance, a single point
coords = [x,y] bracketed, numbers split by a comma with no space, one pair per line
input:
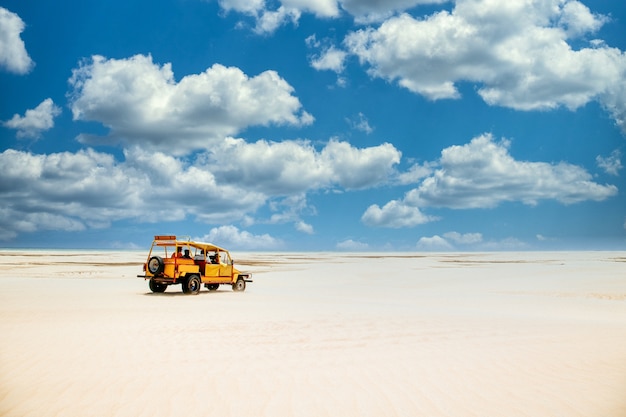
[454,241]
[287,167]
[269,16]
[142,104]
[35,121]
[517,52]
[73,191]
[483,174]
[13,55]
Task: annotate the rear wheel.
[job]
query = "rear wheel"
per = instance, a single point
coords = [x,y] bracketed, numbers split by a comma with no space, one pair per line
[191,284]
[239,285]
[157,287]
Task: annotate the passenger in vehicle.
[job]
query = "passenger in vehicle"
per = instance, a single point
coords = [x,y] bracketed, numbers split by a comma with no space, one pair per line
[178,253]
[186,255]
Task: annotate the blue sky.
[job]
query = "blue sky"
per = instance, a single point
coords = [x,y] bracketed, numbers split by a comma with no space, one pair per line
[295,125]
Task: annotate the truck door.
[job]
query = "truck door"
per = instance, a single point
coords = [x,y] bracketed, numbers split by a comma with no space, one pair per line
[226,266]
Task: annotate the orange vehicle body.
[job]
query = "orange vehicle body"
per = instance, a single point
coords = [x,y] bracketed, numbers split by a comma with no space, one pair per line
[191,264]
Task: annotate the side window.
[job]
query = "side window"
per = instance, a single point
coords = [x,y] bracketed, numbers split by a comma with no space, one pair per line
[224,258]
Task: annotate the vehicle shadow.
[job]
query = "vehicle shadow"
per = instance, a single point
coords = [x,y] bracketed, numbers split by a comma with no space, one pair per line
[182,294]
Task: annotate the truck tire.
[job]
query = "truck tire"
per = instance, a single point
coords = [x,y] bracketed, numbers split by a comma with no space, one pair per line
[155,265]
[239,285]
[191,284]
[156,287]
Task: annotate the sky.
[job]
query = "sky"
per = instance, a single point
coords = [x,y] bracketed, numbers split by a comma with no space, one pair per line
[314,125]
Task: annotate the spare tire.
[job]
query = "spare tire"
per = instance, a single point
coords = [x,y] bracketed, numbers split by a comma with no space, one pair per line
[155,265]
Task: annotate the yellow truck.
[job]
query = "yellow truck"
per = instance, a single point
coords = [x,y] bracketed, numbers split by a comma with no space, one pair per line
[191,264]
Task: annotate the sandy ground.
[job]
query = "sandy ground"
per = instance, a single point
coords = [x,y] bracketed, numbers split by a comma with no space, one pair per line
[488,335]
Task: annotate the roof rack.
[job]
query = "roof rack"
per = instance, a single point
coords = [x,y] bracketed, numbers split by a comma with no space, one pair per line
[165,237]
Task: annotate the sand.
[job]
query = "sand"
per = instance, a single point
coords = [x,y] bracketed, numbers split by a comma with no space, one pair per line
[317,334]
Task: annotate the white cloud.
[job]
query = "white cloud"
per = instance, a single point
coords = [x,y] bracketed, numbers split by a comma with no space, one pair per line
[395,214]
[331,58]
[366,11]
[507,244]
[361,123]
[434,243]
[34,121]
[233,238]
[437,242]
[304,227]
[482,174]
[464,239]
[352,245]
[611,164]
[576,19]
[143,105]
[13,55]
[243,6]
[516,51]
[92,189]
[415,173]
[71,191]
[270,16]
[295,166]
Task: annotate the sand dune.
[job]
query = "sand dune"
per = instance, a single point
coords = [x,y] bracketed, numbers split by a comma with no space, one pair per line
[317,334]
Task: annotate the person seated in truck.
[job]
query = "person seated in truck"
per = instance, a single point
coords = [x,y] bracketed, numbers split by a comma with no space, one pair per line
[215,259]
[178,253]
[199,255]
[186,255]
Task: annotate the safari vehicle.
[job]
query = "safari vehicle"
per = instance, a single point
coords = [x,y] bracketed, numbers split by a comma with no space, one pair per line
[190,264]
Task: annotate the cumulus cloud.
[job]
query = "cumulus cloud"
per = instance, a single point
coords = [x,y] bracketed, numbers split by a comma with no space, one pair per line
[517,52]
[367,11]
[330,58]
[361,123]
[269,16]
[304,227]
[294,166]
[35,121]
[71,191]
[231,237]
[142,104]
[611,164]
[93,189]
[483,174]
[450,241]
[464,239]
[13,55]
[415,173]
[352,245]
[395,214]
[433,243]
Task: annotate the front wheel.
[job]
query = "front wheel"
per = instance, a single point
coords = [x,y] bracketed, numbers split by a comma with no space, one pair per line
[191,285]
[239,285]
